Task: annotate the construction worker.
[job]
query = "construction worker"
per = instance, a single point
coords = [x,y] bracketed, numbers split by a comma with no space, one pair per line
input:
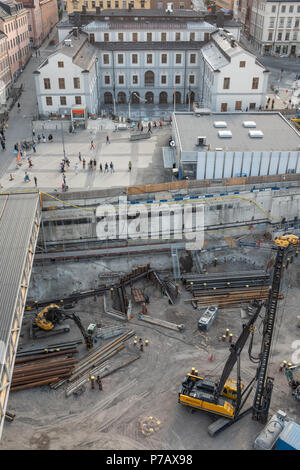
[99,382]
[144,309]
[93,382]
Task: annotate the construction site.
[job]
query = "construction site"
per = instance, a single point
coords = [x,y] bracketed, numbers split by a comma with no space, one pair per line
[149,344]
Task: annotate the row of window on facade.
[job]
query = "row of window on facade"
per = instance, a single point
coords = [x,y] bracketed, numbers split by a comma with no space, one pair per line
[115,4]
[281,23]
[9,27]
[63,101]
[149,37]
[149,98]
[284,9]
[281,37]
[149,79]
[19,54]
[17,40]
[61,83]
[4,64]
[238,107]
[149,59]
[226,83]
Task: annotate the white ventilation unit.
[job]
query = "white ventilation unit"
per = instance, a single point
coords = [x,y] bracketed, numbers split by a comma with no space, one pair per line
[220,124]
[249,124]
[68,42]
[225,134]
[256,134]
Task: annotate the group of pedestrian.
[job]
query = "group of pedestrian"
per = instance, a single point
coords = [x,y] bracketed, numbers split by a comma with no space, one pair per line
[156,124]
[2,139]
[272,103]
[106,170]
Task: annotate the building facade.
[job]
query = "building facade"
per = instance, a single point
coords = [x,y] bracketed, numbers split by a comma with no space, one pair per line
[5,74]
[272,27]
[68,78]
[232,78]
[234,145]
[148,62]
[74,6]
[42,17]
[14,23]
[174,5]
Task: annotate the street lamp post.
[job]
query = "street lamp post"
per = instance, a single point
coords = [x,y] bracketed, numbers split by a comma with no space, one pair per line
[63,140]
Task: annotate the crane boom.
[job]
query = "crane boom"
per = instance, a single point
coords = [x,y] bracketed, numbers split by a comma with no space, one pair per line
[237,348]
[264,388]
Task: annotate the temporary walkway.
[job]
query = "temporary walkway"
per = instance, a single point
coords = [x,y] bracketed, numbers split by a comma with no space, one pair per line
[19,227]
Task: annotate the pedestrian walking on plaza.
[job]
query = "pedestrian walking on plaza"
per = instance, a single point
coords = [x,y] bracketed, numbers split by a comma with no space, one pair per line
[272,105]
[139,125]
[160,124]
[92,145]
[154,123]
[19,107]
[107,139]
[68,162]
[100,168]
[64,178]
[83,163]
[129,166]
[44,138]
[76,168]
[95,164]
[36,53]
[91,164]
[3,144]
[106,168]
[111,167]
[35,181]
[149,127]
[39,138]
[79,156]
[33,132]
[26,177]
[142,128]
[50,137]
[34,147]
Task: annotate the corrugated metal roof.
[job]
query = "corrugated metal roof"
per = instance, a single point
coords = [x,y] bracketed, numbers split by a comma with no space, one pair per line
[17,213]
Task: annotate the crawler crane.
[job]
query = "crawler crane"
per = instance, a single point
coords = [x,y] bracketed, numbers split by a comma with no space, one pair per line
[225,398]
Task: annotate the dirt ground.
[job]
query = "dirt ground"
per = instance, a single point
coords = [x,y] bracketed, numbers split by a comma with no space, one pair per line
[146,391]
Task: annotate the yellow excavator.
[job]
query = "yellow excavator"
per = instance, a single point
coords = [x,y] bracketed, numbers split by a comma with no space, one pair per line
[48,320]
[223,398]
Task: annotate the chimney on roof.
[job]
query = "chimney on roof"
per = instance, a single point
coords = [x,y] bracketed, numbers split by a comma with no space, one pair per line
[220,19]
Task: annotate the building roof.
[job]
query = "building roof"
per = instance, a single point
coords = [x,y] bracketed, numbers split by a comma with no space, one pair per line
[221,48]
[150,46]
[278,134]
[81,51]
[146,13]
[10,8]
[146,25]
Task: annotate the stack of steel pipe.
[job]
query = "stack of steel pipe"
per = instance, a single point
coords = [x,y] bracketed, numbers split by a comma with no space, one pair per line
[228,281]
[35,370]
[96,358]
